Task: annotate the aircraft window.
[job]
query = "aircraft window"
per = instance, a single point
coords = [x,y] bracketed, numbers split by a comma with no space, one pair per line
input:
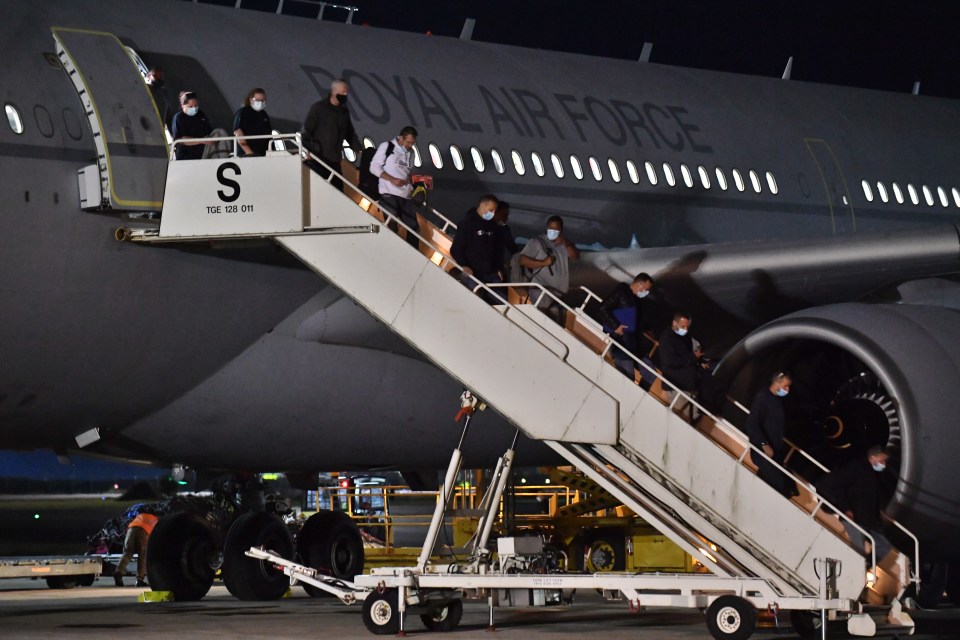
[368,143]
[687,176]
[517,162]
[457,157]
[943,197]
[595,169]
[651,173]
[577,169]
[928,195]
[867,191]
[913,194]
[477,158]
[417,160]
[632,170]
[882,190]
[435,156]
[614,170]
[557,164]
[956,197]
[668,174]
[755,180]
[772,183]
[738,180]
[897,193]
[704,177]
[721,179]
[497,160]
[349,153]
[537,163]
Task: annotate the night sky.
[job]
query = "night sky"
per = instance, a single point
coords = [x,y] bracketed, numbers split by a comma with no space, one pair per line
[877,44]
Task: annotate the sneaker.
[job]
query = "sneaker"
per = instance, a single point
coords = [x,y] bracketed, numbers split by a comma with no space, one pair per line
[142,583]
[118,580]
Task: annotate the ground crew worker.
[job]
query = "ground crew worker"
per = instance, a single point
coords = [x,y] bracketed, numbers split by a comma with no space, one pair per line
[138,533]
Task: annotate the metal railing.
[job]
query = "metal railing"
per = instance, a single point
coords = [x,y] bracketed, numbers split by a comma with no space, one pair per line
[316,3]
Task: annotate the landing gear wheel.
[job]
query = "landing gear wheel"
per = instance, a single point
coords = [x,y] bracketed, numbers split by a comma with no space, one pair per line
[330,542]
[445,618]
[248,578]
[181,556]
[731,618]
[381,614]
[605,552]
[806,623]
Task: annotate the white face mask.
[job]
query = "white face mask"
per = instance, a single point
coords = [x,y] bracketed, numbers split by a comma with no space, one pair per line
[192,111]
[681,331]
[257,104]
[553,234]
[643,293]
[878,466]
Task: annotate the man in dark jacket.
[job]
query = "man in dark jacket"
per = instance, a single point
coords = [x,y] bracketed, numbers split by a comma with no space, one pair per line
[621,315]
[327,125]
[478,245]
[766,426]
[854,488]
[677,360]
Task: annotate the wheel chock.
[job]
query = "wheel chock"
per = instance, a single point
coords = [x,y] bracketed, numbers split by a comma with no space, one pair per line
[288,594]
[156,596]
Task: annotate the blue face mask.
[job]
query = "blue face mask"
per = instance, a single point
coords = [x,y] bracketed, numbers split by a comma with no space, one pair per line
[192,111]
[553,234]
[681,332]
[643,293]
[782,392]
[488,215]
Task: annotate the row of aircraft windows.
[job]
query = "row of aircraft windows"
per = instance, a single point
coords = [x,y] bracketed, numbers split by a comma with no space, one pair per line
[912,193]
[701,175]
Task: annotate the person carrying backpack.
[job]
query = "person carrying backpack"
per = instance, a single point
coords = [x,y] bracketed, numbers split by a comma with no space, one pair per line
[391,165]
[546,261]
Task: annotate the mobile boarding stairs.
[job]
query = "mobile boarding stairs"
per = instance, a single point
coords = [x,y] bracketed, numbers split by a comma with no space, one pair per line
[696,485]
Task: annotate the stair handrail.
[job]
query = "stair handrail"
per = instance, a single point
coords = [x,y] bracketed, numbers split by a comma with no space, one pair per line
[915,578]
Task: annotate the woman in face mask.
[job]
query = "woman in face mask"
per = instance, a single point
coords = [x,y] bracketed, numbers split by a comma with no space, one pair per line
[252,120]
[192,125]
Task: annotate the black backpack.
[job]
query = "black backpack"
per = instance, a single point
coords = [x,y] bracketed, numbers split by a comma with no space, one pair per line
[369,183]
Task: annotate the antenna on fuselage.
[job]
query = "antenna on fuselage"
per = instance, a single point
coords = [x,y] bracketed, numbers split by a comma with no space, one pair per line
[467,32]
[645,52]
[916,88]
[788,69]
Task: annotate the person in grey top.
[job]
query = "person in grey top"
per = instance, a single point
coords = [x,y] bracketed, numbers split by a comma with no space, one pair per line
[547,257]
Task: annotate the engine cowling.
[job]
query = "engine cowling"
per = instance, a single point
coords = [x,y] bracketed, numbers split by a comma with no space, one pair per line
[867,374]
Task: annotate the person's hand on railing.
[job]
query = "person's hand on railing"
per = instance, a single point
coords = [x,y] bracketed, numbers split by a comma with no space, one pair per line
[620,329]
[768,451]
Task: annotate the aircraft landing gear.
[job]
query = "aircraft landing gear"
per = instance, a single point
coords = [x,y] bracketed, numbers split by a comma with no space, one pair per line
[183,555]
[248,578]
[330,542]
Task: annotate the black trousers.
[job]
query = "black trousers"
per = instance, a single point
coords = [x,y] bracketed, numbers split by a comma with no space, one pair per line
[406,210]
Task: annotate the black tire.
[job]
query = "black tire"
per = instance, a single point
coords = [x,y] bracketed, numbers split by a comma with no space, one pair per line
[445,618]
[249,578]
[86,580]
[807,624]
[181,556]
[330,542]
[63,582]
[381,614]
[731,618]
[605,552]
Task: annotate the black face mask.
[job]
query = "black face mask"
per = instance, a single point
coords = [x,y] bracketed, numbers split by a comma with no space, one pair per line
[342,99]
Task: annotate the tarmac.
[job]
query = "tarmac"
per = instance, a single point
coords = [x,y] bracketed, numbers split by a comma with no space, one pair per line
[31,611]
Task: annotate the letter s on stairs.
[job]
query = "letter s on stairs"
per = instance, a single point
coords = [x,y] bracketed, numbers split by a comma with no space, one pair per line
[227,182]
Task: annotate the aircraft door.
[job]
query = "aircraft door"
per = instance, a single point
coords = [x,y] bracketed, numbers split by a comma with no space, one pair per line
[131,146]
[842,216]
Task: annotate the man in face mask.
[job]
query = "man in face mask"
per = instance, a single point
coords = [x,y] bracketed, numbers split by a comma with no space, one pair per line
[547,257]
[621,314]
[478,246]
[325,129]
[854,488]
[677,360]
[766,427]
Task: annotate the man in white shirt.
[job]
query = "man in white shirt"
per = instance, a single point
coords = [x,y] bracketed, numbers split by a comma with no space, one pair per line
[392,164]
